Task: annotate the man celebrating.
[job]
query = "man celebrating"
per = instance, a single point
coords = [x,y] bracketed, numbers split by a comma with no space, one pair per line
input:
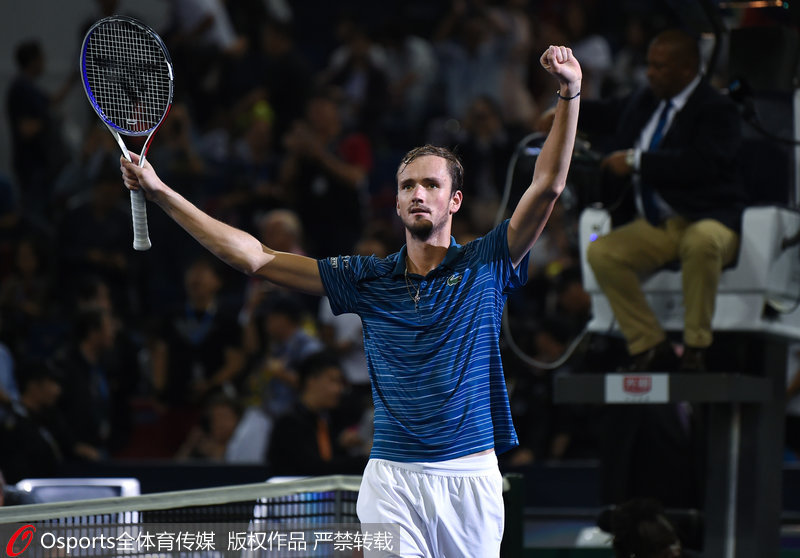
[431,316]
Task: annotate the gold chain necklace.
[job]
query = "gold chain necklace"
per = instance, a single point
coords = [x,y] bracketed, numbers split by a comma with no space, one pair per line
[415,297]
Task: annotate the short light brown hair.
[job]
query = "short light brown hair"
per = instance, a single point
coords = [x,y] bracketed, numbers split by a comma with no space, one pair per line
[453,163]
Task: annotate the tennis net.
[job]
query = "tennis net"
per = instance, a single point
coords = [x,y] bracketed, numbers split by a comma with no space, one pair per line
[305,517]
[310,517]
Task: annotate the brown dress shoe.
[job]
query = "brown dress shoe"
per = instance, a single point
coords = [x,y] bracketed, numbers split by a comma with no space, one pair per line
[660,358]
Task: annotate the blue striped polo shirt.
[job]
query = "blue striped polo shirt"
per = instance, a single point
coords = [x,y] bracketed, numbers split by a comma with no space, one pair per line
[437,378]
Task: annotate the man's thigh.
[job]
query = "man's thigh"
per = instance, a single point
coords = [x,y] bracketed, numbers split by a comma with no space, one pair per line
[638,246]
[710,239]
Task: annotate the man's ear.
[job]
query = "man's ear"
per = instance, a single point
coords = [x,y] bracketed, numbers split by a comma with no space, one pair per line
[455,201]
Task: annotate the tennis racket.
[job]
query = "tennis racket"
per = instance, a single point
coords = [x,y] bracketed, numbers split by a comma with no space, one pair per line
[127,76]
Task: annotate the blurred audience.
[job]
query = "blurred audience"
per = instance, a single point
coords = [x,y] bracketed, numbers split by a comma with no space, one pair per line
[304,441]
[94,236]
[228,433]
[272,381]
[514,20]
[472,49]
[579,21]
[358,72]
[210,439]
[38,148]
[198,348]
[35,427]
[411,68]
[325,172]
[201,39]
[24,293]
[90,390]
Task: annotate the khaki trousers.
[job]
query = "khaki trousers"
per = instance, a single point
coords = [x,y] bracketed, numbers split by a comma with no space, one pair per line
[636,249]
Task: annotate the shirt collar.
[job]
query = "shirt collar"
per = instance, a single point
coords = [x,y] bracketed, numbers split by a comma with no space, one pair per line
[453,253]
[679,100]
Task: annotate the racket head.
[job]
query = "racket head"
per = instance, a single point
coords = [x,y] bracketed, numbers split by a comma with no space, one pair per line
[127,75]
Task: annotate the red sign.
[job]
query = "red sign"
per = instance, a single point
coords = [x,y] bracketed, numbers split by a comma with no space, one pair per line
[637,384]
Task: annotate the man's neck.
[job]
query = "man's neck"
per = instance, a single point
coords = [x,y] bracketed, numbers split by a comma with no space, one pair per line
[425,256]
[30,403]
[311,403]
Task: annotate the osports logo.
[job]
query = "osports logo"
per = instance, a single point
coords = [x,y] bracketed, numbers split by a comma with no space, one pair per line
[26,534]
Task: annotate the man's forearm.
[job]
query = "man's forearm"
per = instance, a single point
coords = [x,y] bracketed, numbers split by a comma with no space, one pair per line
[242,250]
[352,175]
[552,165]
[235,247]
[549,176]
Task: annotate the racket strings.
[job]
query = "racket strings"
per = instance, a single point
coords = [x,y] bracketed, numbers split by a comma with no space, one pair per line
[128,75]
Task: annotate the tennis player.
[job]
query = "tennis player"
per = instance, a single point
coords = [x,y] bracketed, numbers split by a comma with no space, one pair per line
[431,316]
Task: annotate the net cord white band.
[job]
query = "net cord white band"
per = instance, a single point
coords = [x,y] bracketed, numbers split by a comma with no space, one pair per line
[184,498]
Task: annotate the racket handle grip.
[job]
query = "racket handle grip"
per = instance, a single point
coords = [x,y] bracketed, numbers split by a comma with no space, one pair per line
[141,235]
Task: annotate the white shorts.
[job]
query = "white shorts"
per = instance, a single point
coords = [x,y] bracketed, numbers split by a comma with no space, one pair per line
[446,509]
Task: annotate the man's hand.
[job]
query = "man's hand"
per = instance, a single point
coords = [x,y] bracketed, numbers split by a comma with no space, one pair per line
[301,140]
[617,163]
[559,61]
[144,178]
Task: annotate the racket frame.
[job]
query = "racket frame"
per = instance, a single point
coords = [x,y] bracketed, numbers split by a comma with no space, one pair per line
[141,235]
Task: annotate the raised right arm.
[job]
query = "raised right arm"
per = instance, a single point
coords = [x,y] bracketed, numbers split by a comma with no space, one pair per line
[235,247]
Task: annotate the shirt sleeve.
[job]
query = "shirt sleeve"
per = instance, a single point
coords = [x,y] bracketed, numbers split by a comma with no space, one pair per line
[340,275]
[493,249]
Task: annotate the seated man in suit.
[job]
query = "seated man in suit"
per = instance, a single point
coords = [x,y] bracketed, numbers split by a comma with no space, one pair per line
[674,145]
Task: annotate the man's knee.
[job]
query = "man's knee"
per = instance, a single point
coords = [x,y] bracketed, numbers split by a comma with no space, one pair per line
[709,241]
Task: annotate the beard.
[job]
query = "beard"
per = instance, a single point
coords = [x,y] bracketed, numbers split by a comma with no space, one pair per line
[421,230]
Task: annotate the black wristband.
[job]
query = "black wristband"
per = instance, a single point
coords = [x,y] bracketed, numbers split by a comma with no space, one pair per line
[560,96]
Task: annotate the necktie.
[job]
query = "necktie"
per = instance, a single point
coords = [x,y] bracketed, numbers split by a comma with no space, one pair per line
[324,440]
[649,204]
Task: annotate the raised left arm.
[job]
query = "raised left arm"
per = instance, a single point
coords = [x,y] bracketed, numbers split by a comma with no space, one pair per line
[552,165]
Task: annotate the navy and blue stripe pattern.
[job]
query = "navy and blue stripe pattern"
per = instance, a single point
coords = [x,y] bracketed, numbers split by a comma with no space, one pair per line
[437,377]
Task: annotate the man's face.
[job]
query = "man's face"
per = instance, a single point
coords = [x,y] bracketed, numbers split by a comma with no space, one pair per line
[323,117]
[201,282]
[667,73]
[327,387]
[46,392]
[222,422]
[109,330]
[425,200]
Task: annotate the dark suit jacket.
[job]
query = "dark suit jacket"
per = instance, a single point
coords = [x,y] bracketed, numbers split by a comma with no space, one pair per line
[695,169]
[293,448]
